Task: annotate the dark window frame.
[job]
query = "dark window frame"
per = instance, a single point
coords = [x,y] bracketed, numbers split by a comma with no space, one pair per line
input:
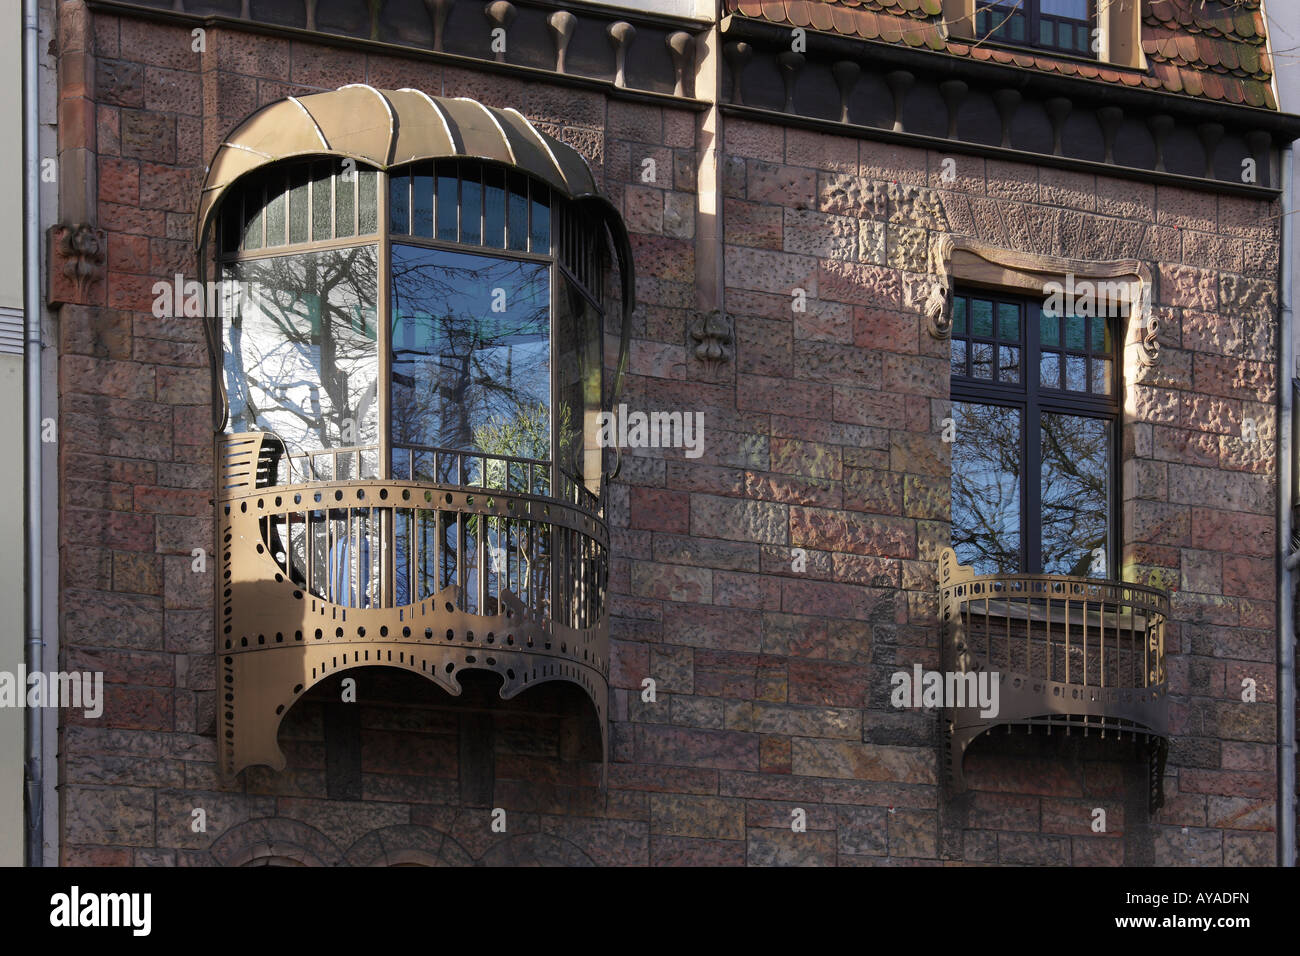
[1032,399]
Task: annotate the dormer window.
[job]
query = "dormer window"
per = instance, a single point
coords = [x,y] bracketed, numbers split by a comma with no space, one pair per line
[1063,26]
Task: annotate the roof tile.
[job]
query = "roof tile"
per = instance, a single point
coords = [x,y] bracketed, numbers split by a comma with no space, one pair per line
[820,13]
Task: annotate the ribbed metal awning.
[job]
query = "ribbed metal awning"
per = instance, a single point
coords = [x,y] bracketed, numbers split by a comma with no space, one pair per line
[386,128]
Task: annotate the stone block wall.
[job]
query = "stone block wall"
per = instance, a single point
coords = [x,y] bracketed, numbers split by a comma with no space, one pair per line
[822,433]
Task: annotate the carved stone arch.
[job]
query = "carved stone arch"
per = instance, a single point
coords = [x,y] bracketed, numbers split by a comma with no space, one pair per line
[407,844]
[274,837]
[535,849]
[1126,283]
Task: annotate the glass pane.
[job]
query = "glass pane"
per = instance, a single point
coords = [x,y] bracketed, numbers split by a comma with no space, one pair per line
[1016,27]
[1008,364]
[1075,332]
[400,208]
[299,361]
[981,361]
[275,211]
[1046,35]
[471,208]
[322,202]
[1082,39]
[1049,374]
[368,212]
[981,312]
[1075,374]
[1100,334]
[494,208]
[1075,494]
[448,202]
[1008,321]
[471,353]
[579,386]
[540,226]
[298,212]
[345,200]
[518,213]
[986,468]
[1075,9]
[959,315]
[422,203]
[1049,329]
[1101,376]
[958,357]
[253,205]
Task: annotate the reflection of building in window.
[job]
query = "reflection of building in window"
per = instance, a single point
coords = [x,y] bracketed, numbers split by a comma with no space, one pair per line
[1034,415]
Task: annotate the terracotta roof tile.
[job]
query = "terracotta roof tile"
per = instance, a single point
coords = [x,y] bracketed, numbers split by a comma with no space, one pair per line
[821,16]
[891,29]
[1210,48]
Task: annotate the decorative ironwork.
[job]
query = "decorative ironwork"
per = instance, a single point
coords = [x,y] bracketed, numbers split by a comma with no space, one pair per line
[487,569]
[1073,654]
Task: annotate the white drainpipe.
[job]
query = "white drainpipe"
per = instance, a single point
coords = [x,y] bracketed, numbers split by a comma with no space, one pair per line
[32,253]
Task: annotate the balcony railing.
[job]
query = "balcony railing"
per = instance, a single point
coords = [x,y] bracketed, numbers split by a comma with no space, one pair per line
[462,561]
[1071,655]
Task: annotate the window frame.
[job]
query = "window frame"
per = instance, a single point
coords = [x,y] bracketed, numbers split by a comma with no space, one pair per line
[1033,400]
[576,246]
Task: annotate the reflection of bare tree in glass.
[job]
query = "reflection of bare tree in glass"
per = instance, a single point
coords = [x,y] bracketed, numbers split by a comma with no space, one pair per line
[986,476]
[301,359]
[466,377]
[439,399]
[1075,493]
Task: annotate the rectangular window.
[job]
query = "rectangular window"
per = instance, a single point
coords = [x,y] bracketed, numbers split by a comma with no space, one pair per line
[1035,409]
[300,348]
[471,366]
[1063,26]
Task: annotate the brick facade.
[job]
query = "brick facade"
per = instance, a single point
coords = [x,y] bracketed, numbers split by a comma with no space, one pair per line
[821,433]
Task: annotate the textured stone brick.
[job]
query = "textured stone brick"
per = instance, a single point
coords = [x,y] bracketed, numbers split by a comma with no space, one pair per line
[786,848]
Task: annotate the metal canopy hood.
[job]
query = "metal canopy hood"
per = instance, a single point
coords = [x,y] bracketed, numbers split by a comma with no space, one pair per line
[387,128]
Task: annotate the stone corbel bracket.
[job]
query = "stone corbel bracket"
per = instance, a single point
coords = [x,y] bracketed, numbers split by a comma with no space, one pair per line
[1125,283]
[76,270]
[711,332]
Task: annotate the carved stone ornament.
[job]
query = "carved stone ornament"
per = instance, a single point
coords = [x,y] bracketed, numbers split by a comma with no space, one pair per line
[938,304]
[77,255]
[712,334]
[954,258]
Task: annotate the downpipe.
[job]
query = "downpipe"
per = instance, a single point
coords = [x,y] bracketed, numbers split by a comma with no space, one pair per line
[34,775]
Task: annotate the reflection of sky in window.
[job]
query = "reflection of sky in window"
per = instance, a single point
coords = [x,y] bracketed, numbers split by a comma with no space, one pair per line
[457,363]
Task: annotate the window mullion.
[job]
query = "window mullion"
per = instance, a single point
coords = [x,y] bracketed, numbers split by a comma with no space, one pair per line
[383,342]
[1032,521]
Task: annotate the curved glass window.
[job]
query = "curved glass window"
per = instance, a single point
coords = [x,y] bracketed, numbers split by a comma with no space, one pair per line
[461,345]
